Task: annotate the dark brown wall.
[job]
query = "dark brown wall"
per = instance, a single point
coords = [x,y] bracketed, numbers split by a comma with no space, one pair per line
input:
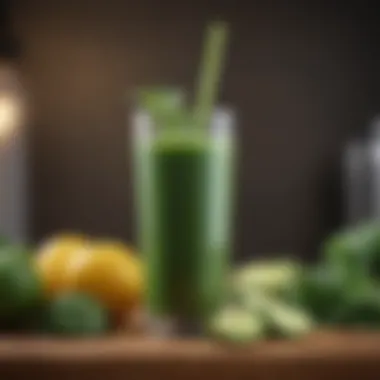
[299,76]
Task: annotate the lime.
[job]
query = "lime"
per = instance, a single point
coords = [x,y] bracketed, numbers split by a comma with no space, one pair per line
[20,286]
[74,314]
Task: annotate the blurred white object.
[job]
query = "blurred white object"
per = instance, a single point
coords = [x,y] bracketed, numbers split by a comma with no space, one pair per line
[356,182]
[361,170]
[374,162]
[13,194]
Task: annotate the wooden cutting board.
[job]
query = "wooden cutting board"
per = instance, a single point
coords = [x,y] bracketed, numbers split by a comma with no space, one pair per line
[321,356]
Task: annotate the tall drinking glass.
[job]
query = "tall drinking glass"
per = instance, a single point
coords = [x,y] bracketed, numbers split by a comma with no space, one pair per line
[183,180]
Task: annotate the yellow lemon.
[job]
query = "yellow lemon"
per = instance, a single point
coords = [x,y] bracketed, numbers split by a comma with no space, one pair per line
[110,272]
[54,258]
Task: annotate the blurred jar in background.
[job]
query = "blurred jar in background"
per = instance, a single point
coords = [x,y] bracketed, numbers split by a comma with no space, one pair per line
[13,169]
[361,176]
[13,194]
[11,102]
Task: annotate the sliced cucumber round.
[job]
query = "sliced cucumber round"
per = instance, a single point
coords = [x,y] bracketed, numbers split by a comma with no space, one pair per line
[237,325]
[272,277]
[287,321]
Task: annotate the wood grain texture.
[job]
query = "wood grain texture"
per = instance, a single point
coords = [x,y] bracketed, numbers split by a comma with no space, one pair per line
[325,355]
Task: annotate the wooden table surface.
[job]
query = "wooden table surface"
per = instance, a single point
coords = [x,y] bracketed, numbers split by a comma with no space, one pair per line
[322,356]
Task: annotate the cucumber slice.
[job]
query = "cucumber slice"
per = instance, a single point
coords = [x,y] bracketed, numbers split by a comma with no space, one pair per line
[270,277]
[255,301]
[236,325]
[287,321]
[280,318]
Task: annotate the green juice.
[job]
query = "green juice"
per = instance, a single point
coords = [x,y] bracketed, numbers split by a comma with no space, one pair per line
[184,196]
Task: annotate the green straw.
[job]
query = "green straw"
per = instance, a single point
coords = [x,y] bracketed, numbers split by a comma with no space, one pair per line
[210,72]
